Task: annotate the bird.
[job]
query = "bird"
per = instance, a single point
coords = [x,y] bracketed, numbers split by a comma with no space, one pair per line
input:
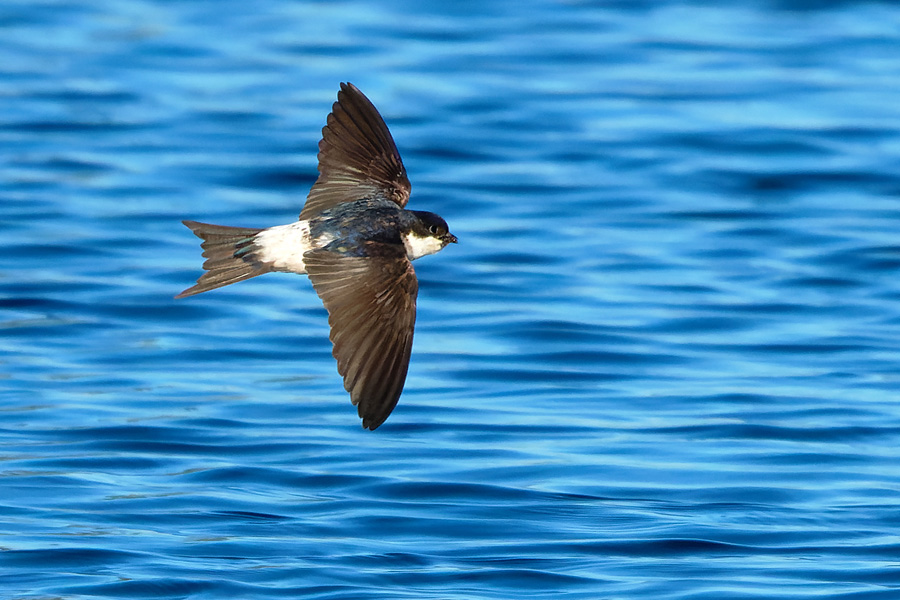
[356,241]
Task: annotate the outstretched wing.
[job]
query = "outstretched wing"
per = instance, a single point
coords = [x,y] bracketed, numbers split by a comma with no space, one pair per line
[357,157]
[371,302]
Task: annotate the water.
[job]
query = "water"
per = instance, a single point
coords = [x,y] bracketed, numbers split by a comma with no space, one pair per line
[661,363]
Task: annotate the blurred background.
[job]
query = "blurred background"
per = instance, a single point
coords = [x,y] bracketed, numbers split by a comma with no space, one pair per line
[661,362]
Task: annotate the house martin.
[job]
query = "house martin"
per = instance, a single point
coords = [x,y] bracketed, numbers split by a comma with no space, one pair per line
[355,241]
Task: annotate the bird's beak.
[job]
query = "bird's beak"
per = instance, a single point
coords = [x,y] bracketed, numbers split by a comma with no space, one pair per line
[451,239]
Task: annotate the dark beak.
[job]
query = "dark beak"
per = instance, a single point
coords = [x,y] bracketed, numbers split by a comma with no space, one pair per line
[450,238]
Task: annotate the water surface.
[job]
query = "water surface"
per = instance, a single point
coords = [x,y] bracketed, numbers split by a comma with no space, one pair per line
[661,363]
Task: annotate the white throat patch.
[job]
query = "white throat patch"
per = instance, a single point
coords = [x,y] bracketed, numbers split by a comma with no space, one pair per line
[417,246]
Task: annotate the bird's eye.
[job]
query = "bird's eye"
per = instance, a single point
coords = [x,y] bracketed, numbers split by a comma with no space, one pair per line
[434,229]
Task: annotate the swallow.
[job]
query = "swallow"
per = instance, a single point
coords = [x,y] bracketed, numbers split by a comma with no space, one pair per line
[355,241]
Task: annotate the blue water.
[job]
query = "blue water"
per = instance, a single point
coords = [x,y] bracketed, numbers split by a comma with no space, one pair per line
[661,363]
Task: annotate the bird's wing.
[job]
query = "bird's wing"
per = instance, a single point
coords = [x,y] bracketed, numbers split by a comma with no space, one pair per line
[357,157]
[371,302]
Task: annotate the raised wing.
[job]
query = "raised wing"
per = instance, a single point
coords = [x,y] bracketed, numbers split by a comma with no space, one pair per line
[371,302]
[357,157]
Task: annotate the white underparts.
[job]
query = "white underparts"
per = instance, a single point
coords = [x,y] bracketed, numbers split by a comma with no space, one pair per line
[284,246]
[417,246]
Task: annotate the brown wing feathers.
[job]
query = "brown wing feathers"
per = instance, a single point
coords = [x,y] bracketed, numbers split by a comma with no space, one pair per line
[371,304]
[357,157]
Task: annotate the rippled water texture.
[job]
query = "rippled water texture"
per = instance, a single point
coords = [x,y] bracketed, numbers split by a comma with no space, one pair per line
[661,363]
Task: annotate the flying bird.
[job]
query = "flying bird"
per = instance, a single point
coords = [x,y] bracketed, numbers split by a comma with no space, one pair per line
[355,241]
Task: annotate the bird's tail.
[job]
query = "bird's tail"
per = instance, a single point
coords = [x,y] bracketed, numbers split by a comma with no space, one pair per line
[230,256]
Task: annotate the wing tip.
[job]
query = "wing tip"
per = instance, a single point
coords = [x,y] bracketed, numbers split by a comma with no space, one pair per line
[373,424]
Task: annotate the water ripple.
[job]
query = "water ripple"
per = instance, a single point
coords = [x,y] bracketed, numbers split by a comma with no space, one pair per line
[661,362]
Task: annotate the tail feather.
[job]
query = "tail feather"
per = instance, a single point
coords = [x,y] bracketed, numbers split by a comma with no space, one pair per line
[230,256]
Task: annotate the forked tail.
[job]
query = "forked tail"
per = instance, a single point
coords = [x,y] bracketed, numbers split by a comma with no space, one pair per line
[230,256]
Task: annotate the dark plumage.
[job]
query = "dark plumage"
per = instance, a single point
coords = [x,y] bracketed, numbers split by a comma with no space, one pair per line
[356,242]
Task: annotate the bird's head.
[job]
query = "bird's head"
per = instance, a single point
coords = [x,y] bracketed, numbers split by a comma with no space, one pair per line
[428,233]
